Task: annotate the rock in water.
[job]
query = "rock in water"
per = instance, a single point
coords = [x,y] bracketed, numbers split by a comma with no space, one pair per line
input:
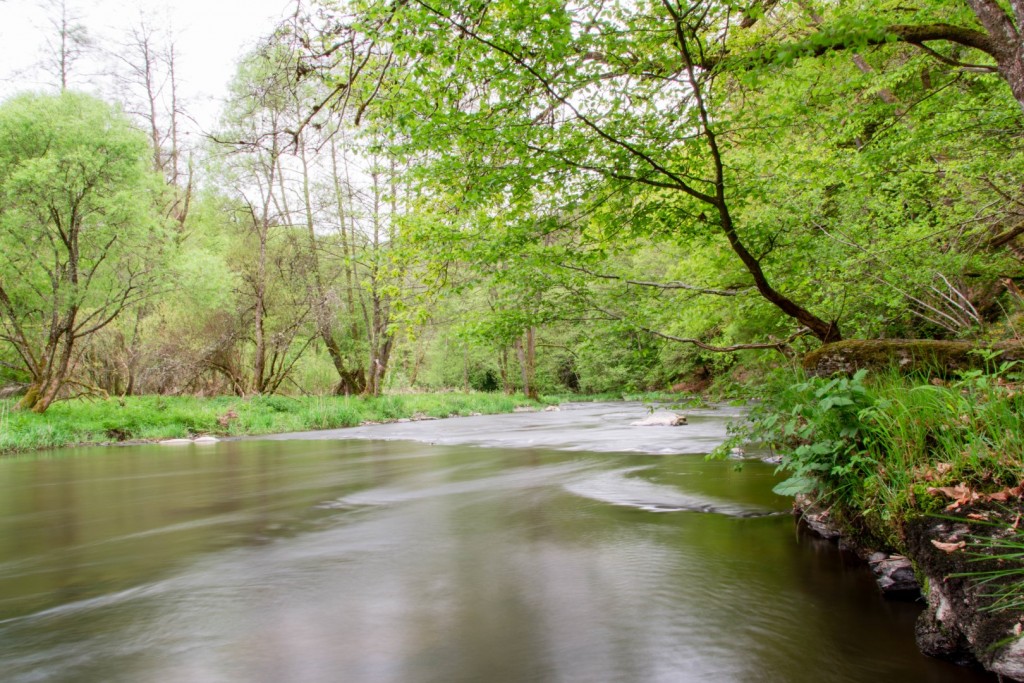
[816,519]
[895,576]
[660,419]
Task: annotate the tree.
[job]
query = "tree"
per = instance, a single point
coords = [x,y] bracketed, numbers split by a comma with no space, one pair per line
[146,79]
[963,34]
[80,230]
[667,121]
[509,97]
[68,43]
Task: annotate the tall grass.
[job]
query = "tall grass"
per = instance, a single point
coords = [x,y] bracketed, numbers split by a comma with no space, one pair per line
[873,446]
[162,417]
[1002,555]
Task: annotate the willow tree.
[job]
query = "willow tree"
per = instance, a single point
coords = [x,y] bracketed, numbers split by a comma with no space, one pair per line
[81,233]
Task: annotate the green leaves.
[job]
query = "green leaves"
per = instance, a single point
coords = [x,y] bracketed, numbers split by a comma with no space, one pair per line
[796,485]
[80,227]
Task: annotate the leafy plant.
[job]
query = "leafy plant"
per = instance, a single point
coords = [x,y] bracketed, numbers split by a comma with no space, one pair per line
[884,447]
[826,427]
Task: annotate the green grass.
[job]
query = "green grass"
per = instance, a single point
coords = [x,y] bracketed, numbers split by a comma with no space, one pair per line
[163,417]
[872,446]
[1001,551]
[643,396]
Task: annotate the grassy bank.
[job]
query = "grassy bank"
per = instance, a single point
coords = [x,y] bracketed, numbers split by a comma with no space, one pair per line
[163,417]
[880,449]
[932,469]
[669,397]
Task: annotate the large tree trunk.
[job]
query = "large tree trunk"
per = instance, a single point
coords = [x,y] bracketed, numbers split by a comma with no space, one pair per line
[47,384]
[259,362]
[1007,46]
[349,381]
[824,331]
[527,352]
[506,381]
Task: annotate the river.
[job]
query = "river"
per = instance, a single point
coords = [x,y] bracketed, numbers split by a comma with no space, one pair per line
[550,546]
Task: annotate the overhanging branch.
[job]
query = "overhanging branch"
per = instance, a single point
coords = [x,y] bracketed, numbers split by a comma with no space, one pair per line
[782,346]
[656,285]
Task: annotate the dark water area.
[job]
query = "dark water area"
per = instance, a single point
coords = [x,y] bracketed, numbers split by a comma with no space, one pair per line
[561,546]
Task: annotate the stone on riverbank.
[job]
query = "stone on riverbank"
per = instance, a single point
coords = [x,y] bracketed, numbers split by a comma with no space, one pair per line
[198,441]
[894,575]
[956,625]
[814,517]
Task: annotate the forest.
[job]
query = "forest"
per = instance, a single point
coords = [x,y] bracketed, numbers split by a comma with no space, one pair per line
[533,197]
[505,203]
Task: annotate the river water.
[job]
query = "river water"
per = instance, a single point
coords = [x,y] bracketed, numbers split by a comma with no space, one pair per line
[561,546]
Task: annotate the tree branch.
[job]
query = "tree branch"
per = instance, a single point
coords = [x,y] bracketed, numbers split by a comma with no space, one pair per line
[781,346]
[658,285]
[520,61]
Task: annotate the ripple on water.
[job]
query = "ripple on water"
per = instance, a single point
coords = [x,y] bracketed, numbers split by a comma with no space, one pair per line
[617,487]
[516,478]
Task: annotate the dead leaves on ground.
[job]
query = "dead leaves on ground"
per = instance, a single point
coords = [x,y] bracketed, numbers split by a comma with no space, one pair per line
[949,547]
[933,473]
[962,495]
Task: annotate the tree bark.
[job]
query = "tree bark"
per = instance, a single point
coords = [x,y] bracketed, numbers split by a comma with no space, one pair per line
[825,331]
[526,350]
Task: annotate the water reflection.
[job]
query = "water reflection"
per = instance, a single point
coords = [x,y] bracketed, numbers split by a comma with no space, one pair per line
[403,561]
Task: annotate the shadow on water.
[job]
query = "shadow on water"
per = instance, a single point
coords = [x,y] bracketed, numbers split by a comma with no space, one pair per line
[434,559]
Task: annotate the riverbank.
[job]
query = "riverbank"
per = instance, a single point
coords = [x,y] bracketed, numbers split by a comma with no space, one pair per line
[86,422]
[924,468]
[964,567]
[150,418]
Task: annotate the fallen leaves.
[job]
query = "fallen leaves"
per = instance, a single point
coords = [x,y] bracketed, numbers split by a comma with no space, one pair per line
[961,495]
[949,547]
[934,473]
[1006,494]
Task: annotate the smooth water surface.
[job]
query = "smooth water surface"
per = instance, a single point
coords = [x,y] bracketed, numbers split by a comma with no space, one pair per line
[561,546]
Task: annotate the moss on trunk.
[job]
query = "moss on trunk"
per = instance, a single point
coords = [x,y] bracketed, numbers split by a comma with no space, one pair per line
[909,356]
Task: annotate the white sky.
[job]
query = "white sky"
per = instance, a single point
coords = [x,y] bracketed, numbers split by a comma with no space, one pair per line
[211,35]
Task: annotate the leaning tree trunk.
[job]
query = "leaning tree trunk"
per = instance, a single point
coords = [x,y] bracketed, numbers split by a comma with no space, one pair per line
[47,385]
[1006,44]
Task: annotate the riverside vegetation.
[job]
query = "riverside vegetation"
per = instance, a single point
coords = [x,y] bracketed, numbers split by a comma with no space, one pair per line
[147,418]
[75,423]
[538,198]
[927,467]
[880,448]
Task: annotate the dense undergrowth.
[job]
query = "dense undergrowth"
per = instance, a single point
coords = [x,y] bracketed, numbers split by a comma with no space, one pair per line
[879,449]
[162,417]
